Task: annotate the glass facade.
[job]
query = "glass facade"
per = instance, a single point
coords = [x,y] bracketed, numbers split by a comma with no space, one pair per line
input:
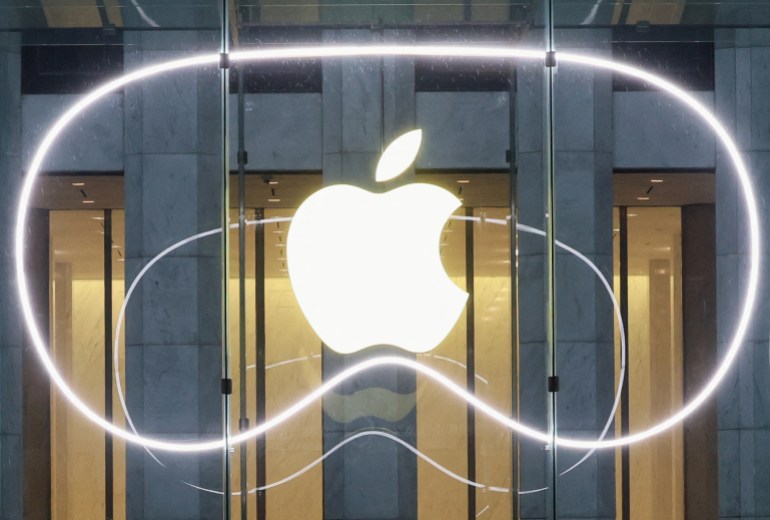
[601,230]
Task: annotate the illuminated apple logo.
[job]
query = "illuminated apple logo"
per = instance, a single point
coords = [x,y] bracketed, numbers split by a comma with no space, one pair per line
[366,267]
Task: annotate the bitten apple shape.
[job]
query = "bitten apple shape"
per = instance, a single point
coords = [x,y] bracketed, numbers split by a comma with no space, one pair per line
[366,267]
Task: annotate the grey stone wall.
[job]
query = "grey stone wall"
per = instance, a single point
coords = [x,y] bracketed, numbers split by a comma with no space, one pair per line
[742,102]
[462,130]
[173,328]
[10,325]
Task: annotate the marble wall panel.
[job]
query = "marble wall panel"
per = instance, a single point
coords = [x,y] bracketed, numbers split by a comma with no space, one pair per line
[282,131]
[583,168]
[463,129]
[172,182]
[652,130]
[91,142]
[742,61]
[11,457]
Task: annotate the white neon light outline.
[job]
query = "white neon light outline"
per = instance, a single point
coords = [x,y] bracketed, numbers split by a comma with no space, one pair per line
[741,171]
[367,433]
[496,221]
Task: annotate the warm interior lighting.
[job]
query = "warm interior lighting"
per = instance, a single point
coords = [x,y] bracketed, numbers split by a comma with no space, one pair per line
[744,181]
[656,181]
[274,200]
[463,181]
[642,198]
[87,201]
[78,184]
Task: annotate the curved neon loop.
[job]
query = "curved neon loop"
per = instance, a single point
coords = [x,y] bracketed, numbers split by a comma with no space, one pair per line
[340,445]
[392,50]
[503,222]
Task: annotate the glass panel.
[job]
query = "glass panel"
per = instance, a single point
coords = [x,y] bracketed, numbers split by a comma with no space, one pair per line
[142,169]
[585,315]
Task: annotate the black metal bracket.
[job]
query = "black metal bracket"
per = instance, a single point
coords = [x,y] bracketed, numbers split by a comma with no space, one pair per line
[227,386]
[553,384]
[550,59]
[224,60]
[243,424]
[245,157]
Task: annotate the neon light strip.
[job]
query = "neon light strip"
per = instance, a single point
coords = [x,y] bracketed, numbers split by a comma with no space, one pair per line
[391,50]
[504,222]
[369,433]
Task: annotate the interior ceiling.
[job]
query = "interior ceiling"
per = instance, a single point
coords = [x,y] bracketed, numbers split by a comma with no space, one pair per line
[663,189]
[77,236]
[288,190]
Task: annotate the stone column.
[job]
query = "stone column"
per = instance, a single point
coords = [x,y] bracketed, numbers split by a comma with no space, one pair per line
[173,335]
[742,69]
[10,319]
[366,103]
[585,351]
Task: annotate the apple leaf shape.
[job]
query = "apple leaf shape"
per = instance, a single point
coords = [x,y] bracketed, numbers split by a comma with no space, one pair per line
[398,156]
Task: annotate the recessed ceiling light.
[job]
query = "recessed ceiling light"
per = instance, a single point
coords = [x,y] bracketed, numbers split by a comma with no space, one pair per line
[642,198]
[78,184]
[633,215]
[97,218]
[88,201]
[274,200]
[656,181]
[463,181]
[272,182]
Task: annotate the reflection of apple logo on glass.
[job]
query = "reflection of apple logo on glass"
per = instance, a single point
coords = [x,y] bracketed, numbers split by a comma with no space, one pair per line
[366,267]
